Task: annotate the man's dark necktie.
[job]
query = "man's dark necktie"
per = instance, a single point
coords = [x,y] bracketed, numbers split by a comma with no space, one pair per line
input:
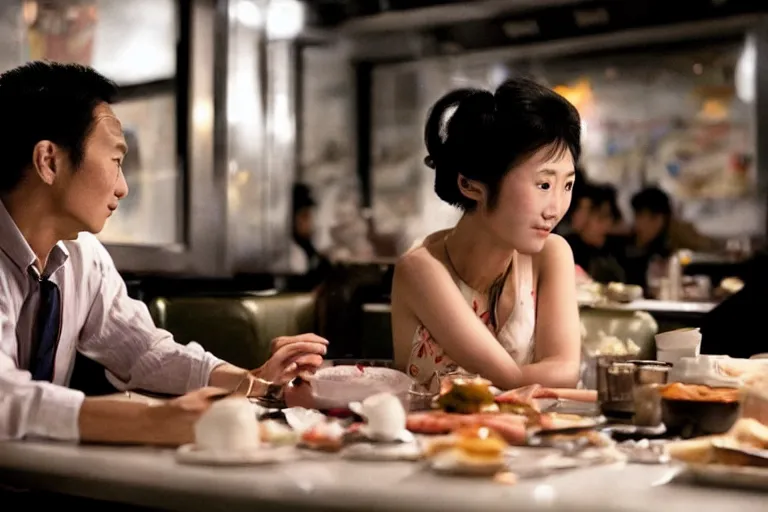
[46,331]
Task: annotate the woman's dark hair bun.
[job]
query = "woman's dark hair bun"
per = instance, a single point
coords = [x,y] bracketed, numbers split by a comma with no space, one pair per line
[482,135]
[457,134]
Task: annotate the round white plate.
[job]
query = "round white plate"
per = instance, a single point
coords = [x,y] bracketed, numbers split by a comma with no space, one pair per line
[744,477]
[405,436]
[189,454]
[383,452]
[445,463]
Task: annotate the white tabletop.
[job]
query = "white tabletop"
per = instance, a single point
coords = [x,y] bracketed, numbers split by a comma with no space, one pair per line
[650,305]
[152,477]
[657,306]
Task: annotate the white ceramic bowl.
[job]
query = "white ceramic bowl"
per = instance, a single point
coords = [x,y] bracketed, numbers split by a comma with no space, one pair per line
[679,339]
[337,386]
[674,356]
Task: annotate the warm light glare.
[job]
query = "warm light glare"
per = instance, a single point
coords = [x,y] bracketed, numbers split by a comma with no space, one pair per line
[202,115]
[579,95]
[745,71]
[282,128]
[248,13]
[282,19]
[714,109]
[242,98]
[29,12]
[285,19]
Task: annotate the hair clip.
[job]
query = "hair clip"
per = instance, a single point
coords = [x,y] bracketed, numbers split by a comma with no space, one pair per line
[445,118]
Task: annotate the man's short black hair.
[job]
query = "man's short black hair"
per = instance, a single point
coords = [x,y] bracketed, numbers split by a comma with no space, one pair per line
[302,197]
[600,194]
[652,199]
[46,101]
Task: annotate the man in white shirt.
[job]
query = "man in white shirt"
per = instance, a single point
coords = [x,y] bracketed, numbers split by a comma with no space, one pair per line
[60,179]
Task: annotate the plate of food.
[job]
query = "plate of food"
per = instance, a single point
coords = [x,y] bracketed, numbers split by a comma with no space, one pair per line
[473,450]
[511,427]
[693,410]
[724,475]
[552,423]
[228,433]
[738,458]
[338,386]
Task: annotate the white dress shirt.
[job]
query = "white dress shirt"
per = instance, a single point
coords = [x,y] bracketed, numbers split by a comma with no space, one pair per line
[98,319]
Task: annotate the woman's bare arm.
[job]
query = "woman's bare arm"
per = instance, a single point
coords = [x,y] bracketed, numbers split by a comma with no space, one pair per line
[404,326]
[558,332]
[424,290]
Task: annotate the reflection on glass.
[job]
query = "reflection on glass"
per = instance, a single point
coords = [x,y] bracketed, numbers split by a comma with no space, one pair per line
[130,41]
[680,116]
[149,214]
[672,116]
[60,31]
[135,40]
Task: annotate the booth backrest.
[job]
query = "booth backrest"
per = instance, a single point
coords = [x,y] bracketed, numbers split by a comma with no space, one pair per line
[238,329]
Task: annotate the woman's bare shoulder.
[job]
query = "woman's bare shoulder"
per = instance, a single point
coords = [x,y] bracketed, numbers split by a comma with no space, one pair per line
[437,236]
[429,240]
[556,249]
[426,258]
[556,254]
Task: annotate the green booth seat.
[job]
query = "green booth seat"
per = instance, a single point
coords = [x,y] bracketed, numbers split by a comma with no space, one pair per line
[238,329]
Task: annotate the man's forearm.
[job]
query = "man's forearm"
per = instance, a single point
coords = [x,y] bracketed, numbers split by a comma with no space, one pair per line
[114,421]
[118,421]
[227,376]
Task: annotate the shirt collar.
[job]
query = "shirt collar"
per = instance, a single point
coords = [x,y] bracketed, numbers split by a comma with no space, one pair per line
[13,244]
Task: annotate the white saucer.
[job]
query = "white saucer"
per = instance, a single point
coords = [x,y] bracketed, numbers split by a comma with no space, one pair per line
[446,463]
[405,436]
[383,452]
[189,454]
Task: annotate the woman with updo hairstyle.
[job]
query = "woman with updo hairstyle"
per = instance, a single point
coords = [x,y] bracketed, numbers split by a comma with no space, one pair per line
[495,295]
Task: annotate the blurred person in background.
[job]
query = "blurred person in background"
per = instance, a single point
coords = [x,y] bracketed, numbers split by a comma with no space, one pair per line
[60,293]
[496,294]
[304,260]
[657,233]
[649,238]
[594,249]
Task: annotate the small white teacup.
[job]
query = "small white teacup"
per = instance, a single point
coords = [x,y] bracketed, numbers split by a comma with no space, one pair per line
[384,415]
[229,424]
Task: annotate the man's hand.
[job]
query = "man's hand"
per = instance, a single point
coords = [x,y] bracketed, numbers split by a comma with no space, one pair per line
[173,423]
[292,356]
[168,424]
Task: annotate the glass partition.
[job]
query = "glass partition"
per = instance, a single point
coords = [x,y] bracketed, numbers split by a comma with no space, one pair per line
[134,43]
[680,115]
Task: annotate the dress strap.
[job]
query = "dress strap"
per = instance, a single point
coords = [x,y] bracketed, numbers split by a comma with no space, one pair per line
[494,293]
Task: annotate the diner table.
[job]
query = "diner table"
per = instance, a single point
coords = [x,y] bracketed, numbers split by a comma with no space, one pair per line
[151,477]
[669,315]
[657,306]
[650,305]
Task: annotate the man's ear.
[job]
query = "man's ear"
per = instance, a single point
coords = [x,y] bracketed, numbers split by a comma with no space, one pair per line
[44,161]
[471,189]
